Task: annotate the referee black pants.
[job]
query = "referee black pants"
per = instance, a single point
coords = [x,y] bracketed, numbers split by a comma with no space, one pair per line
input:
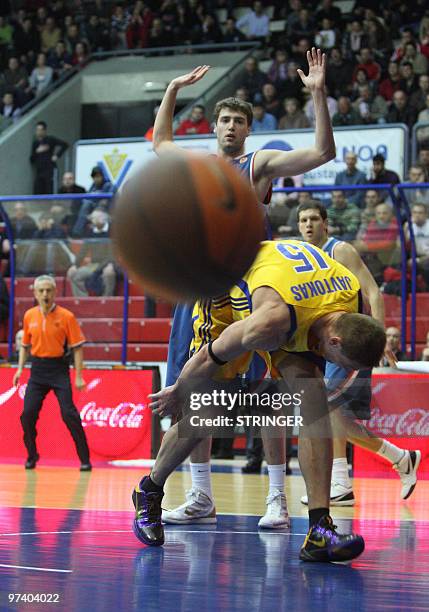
[51,375]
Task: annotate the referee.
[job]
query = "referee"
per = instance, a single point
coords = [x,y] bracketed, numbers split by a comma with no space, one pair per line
[49,331]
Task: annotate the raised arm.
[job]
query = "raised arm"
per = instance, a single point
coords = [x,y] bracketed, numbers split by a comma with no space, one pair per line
[271,163]
[163,126]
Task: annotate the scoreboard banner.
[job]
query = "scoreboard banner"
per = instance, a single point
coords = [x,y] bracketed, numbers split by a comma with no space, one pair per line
[120,158]
[113,408]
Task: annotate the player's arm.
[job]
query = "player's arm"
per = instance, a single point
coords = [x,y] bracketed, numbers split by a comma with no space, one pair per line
[347,255]
[163,126]
[271,163]
[265,329]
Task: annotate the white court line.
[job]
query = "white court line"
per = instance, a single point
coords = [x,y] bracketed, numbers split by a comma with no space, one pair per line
[37,569]
[214,531]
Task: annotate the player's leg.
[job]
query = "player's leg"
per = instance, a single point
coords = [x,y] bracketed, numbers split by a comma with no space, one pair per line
[323,542]
[71,417]
[276,515]
[33,400]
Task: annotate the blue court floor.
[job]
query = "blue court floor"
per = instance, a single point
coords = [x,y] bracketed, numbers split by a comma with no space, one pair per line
[93,562]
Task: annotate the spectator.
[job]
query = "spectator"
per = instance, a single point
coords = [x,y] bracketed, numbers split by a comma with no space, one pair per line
[418,100]
[119,24]
[367,63]
[80,55]
[300,50]
[98,36]
[59,60]
[294,118]
[400,112]
[72,37]
[41,77]
[23,225]
[393,342]
[407,35]
[293,84]
[183,25]
[326,37]
[424,158]
[47,256]
[416,59]
[68,185]
[304,29]
[48,228]
[420,225]
[423,117]
[361,78]
[371,108]
[262,121]
[9,108]
[329,11]
[45,152]
[377,244]
[195,124]
[158,36]
[253,78]
[338,73]
[242,94]
[270,100]
[344,217]
[425,352]
[209,32]
[409,82]
[345,114]
[417,174]
[6,35]
[94,269]
[371,200]
[15,79]
[309,108]
[49,36]
[380,174]
[391,83]
[354,39]
[100,184]
[352,176]
[255,24]
[26,38]
[278,70]
[231,34]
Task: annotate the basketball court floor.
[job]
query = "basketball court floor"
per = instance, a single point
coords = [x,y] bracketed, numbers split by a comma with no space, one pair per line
[66,543]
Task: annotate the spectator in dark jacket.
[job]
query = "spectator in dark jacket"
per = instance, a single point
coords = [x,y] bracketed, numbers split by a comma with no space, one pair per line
[253,78]
[45,152]
[400,111]
[100,185]
[23,225]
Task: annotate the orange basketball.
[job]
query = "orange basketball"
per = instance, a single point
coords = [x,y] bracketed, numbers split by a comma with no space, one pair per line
[187,226]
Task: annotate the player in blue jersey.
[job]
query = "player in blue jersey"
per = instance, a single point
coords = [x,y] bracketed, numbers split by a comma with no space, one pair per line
[233,120]
[348,390]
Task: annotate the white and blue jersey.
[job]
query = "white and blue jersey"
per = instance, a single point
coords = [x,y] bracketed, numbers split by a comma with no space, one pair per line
[182,328]
[348,389]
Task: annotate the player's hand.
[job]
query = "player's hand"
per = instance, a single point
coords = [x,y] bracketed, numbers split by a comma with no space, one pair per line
[16,378]
[390,357]
[315,80]
[165,402]
[79,383]
[190,78]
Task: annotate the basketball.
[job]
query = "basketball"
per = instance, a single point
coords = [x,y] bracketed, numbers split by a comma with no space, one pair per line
[187,226]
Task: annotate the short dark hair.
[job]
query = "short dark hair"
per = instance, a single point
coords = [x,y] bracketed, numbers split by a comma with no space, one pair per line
[379,158]
[363,339]
[313,204]
[234,104]
[97,170]
[200,106]
[42,123]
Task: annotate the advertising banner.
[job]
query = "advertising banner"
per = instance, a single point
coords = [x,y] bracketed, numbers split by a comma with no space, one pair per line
[113,409]
[120,158]
[400,414]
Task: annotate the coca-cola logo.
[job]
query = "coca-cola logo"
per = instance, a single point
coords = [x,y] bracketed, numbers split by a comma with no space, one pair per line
[125,414]
[413,422]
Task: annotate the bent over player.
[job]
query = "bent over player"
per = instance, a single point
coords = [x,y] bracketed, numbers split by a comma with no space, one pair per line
[293,300]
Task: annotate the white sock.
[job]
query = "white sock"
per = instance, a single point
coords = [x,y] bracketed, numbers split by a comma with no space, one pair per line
[201,477]
[340,472]
[391,452]
[276,475]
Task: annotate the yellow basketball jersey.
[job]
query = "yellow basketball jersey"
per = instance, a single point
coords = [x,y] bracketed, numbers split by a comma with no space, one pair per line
[310,282]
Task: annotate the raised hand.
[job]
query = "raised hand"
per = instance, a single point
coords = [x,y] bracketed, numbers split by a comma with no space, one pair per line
[190,78]
[315,80]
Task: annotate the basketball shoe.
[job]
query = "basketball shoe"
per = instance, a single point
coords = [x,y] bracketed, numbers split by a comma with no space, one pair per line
[407,469]
[198,508]
[323,543]
[276,515]
[340,496]
[147,524]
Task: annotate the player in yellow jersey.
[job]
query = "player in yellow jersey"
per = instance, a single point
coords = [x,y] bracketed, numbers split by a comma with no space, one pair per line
[294,299]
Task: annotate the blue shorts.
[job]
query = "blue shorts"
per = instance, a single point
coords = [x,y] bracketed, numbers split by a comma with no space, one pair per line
[350,390]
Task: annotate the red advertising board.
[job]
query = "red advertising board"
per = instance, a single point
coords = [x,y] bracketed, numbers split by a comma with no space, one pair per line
[113,409]
[399,413]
